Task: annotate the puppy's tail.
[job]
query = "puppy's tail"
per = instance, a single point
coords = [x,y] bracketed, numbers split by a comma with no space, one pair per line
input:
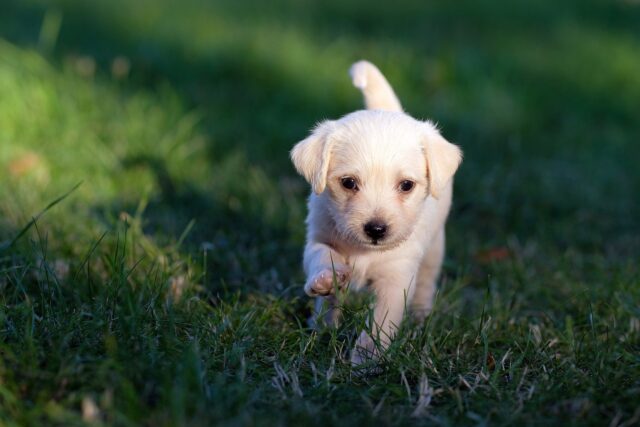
[377,92]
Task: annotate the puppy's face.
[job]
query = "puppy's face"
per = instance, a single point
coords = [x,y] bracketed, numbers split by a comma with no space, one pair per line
[376,184]
[375,170]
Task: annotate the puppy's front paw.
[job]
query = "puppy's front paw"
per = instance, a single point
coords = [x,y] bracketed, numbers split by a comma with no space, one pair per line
[321,283]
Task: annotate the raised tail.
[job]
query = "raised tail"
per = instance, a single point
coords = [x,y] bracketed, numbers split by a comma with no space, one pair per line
[377,92]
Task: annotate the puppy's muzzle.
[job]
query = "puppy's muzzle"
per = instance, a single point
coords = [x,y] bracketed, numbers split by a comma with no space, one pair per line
[376,230]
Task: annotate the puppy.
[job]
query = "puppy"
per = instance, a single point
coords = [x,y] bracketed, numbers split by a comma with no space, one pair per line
[382,187]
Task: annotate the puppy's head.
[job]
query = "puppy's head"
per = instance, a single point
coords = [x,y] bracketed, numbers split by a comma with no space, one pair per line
[375,169]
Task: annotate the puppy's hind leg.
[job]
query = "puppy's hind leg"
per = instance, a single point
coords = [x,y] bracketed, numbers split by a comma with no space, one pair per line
[427,278]
[326,313]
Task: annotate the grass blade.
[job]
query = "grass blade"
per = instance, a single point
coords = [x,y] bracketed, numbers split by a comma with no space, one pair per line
[7,245]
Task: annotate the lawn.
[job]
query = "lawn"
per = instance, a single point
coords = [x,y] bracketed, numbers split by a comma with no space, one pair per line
[151,225]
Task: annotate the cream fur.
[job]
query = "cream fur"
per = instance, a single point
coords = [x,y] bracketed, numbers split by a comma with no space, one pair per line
[378,94]
[379,148]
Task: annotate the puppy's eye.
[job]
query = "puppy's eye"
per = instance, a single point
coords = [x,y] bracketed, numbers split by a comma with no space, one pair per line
[406,186]
[349,183]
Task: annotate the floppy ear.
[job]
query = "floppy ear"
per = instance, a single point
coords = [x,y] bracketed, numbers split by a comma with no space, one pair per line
[443,159]
[311,156]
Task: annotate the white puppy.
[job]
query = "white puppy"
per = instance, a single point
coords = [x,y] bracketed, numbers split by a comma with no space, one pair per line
[382,186]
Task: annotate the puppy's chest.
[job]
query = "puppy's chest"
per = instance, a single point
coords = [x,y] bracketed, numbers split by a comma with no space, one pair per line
[366,270]
[359,278]
[377,268]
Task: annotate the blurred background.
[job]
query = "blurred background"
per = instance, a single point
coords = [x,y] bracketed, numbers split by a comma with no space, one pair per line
[177,118]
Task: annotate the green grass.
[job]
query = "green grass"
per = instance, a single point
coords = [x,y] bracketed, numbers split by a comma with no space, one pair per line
[167,288]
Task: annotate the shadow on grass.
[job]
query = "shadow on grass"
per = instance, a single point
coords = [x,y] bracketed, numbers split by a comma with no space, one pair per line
[245,250]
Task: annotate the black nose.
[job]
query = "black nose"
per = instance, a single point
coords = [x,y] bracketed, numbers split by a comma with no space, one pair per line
[375,229]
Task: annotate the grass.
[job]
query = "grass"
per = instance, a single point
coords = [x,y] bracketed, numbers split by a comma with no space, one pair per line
[166,289]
